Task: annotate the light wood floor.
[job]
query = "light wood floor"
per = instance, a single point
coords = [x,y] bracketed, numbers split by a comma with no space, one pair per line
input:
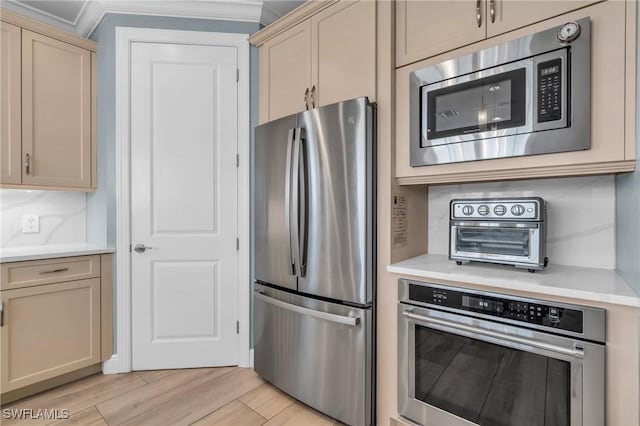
[204,396]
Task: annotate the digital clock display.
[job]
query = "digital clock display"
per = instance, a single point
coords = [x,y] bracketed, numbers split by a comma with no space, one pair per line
[481,304]
[550,70]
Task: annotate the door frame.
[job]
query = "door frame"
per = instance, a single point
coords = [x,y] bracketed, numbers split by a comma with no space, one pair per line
[120,362]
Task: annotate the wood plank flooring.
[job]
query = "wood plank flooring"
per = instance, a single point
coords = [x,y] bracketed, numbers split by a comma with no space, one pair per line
[203,396]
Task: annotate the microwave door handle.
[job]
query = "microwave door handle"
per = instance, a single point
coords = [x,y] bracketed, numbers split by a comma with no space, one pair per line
[303,182]
[576,352]
[287,204]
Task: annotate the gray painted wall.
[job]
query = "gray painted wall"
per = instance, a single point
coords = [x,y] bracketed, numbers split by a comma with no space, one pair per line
[101,205]
[627,210]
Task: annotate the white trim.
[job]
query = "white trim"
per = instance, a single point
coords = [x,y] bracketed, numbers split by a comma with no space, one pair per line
[124,38]
[251,358]
[111,366]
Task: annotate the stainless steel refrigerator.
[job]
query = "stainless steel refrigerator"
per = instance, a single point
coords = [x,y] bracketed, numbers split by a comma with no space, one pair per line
[314,258]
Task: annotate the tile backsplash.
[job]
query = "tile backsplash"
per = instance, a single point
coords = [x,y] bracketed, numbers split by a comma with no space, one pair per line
[580,215]
[62,217]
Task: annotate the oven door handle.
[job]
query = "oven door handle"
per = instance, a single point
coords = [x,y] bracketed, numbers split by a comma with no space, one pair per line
[576,352]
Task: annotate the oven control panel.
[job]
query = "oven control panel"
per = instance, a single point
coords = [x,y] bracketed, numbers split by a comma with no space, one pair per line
[530,209]
[541,314]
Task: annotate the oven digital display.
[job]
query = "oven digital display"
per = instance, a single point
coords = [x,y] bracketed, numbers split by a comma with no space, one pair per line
[482,304]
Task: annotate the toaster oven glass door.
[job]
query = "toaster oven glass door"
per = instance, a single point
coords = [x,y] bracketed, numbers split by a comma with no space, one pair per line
[500,241]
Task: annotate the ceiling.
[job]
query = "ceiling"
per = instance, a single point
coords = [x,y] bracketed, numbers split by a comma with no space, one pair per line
[82,16]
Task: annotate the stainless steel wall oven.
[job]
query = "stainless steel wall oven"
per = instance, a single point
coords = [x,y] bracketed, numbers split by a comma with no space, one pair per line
[527,96]
[469,357]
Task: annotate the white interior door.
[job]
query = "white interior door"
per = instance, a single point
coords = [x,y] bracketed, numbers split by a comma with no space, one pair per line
[184,132]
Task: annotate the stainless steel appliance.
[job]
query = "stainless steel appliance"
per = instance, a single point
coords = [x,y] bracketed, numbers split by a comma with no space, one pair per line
[470,357]
[314,258]
[511,231]
[526,96]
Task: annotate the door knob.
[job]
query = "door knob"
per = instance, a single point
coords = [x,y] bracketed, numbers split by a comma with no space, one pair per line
[140,248]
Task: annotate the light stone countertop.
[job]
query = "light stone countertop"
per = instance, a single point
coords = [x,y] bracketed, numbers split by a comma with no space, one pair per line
[18,254]
[589,284]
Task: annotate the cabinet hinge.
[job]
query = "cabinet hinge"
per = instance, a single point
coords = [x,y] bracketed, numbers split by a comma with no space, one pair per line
[237,327]
[237,74]
[237,160]
[237,243]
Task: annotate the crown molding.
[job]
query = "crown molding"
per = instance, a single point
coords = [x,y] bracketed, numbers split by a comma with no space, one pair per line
[95,10]
[302,12]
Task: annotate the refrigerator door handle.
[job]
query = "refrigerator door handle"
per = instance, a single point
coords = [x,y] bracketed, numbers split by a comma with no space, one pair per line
[291,268]
[295,199]
[302,212]
[340,319]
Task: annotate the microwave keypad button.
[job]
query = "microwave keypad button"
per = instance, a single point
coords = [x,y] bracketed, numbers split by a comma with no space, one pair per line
[500,210]
[549,91]
[483,210]
[468,210]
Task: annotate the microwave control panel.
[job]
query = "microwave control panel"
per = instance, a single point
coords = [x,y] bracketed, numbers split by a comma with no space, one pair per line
[549,91]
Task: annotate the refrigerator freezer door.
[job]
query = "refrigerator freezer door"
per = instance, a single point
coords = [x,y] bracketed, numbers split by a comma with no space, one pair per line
[337,149]
[318,352]
[272,186]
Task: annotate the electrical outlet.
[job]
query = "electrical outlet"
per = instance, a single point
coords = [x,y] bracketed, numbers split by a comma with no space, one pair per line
[30,224]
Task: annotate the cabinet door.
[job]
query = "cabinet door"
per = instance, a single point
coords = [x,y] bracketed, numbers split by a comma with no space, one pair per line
[344,52]
[48,331]
[10,143]
[507,15]
[56,112]
[285,72]
[427,28]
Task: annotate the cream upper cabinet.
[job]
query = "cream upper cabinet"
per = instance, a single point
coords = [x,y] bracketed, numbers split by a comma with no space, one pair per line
[428,28]
[10,142]
[321,53]
[47,106]
[507,15]
[344,52]
[285,72]
[56,112]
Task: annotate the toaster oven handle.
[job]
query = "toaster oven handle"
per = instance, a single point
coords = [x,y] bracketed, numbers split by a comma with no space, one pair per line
[576,352]
[522,225]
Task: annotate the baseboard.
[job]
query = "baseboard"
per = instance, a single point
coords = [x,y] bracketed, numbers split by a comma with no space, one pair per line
[111,366]
[251,358]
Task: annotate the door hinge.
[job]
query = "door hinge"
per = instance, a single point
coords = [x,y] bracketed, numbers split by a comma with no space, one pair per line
[237,160]
[237,327]
[237,74]
[130,248]
[237,243]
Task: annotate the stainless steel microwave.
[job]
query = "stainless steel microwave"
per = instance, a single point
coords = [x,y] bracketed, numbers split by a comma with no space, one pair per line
[524,97]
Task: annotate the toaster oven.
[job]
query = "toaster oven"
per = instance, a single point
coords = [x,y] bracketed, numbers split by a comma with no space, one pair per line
[509,231]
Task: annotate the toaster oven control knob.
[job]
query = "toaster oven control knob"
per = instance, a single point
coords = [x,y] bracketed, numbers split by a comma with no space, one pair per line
[500,210]
[517,209]
[468,210]
[483,210]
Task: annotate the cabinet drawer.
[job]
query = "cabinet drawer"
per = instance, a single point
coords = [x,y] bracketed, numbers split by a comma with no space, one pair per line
[37,272]
[48,331]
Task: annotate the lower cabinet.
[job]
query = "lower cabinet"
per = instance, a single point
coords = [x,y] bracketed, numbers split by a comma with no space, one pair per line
[50,330]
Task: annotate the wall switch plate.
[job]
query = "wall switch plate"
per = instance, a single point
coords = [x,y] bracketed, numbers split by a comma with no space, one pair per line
[30,224]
